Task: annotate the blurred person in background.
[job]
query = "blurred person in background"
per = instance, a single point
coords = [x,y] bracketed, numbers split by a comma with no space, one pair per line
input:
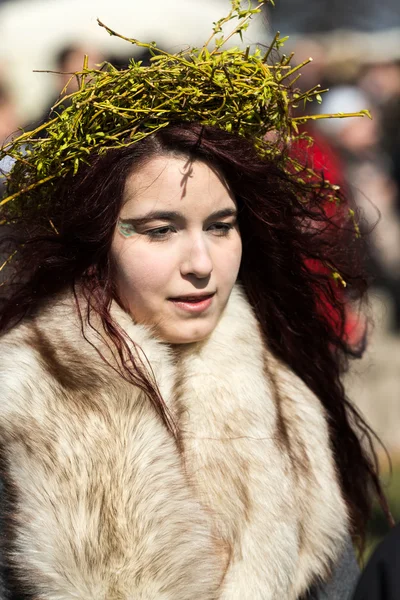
[381,82]
[368,172]
[318,152]
[69,60]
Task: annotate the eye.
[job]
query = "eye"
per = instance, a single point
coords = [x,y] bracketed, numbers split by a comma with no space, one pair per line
[221,229]
[160,233]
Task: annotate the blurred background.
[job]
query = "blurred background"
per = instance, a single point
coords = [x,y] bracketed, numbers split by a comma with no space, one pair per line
[355,48]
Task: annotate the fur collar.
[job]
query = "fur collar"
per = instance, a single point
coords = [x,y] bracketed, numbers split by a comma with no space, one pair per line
[104,504]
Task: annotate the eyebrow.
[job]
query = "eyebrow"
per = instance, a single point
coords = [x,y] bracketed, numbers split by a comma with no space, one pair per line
[162,215]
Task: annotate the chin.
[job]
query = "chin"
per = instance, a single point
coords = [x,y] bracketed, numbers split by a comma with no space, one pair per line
[188,336]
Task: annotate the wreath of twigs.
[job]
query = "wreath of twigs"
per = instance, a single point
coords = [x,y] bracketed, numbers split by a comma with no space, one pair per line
[232,89]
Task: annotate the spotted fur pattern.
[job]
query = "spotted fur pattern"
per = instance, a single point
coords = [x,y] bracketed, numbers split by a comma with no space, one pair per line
[102,503]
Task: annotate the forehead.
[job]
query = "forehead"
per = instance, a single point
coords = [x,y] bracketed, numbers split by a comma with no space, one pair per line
[177,183]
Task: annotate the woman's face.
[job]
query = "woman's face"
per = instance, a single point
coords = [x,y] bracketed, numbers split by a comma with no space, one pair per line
[177,248]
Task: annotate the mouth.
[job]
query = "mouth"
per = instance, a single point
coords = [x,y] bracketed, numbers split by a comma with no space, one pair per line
[193,297]
[193,303]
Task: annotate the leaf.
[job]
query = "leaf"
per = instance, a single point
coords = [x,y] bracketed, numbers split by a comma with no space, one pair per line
[365,112]
[338,278]
[76,166]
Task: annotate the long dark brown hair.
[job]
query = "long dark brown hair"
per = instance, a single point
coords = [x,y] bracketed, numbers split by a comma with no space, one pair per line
[285,230]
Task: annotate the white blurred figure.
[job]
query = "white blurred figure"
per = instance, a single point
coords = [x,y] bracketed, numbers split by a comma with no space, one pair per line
[368,171]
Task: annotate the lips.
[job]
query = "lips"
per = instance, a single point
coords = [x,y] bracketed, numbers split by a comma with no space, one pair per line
[193,298]
[193,304]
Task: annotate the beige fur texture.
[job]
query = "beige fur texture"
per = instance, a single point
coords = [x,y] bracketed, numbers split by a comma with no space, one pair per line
[103,503]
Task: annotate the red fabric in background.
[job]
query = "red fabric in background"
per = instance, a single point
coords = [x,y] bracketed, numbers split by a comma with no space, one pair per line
[320,156]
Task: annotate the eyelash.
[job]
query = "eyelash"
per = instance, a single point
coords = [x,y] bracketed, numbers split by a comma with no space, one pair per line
[163,233]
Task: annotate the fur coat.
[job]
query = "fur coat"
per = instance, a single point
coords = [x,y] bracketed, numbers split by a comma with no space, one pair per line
[101,502]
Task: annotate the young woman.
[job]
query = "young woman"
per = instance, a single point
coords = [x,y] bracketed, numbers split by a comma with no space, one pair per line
[172,420]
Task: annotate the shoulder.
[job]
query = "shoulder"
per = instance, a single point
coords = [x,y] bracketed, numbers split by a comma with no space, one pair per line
[55,318]
[62,350]
[36,341]
[42,356]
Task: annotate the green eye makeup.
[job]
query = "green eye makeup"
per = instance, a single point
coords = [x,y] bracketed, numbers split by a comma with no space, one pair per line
[127,229]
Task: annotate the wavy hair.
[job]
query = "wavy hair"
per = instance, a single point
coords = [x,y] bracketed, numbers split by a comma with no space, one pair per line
[291,246]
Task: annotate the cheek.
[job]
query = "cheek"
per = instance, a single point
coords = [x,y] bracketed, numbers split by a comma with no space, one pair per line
[141,269]
[229,262]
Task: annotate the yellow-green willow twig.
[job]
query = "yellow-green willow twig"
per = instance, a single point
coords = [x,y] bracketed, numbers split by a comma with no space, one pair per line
[361,113]
[27,189]
[8,260]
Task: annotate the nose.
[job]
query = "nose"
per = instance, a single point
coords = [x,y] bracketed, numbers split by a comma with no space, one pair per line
[197,260]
